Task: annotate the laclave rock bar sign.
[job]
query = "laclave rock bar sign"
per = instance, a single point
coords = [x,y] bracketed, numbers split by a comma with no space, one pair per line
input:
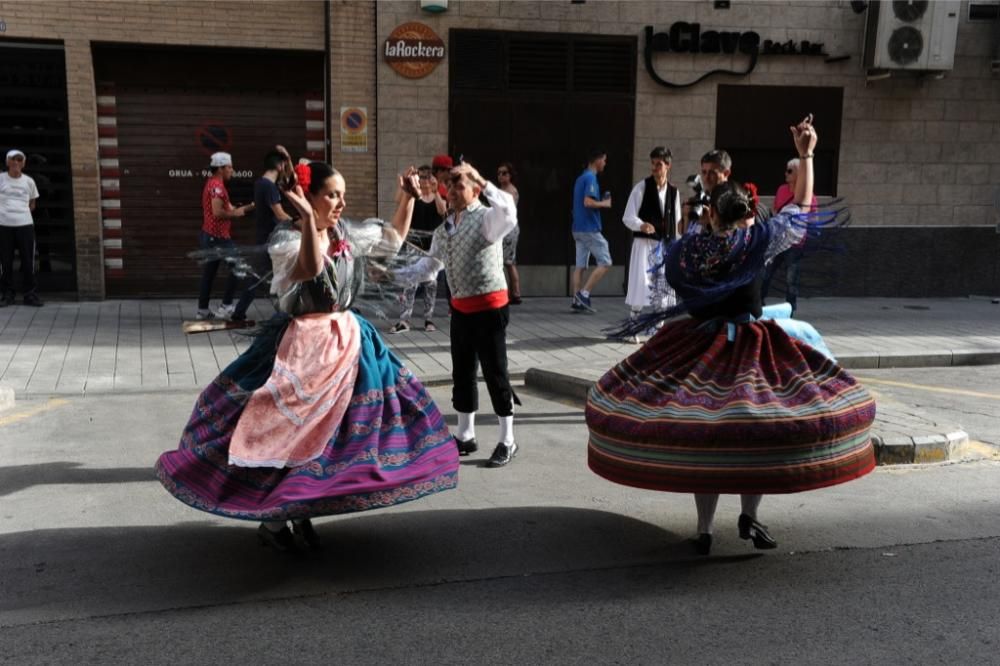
[413,50]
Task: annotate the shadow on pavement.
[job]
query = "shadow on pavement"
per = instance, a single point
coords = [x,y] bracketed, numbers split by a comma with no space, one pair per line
[65,573]
[19,477]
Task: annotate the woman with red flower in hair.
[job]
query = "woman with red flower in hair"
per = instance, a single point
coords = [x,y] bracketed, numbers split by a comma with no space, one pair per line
[317,416]
[736,398]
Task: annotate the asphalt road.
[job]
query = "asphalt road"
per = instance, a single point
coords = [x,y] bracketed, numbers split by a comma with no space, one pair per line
[540,562]
[965,396]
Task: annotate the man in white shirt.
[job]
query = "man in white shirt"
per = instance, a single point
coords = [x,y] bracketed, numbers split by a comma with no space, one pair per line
[653,214]
[470,243]
[18,194]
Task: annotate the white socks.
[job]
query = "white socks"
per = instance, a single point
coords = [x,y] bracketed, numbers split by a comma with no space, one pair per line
[466,429]
[749,504]
[584,293]
[506,429]
[706,505]
[466,426]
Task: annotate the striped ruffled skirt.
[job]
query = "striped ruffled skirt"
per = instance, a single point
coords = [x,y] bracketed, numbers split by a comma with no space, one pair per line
[693,411]
[391,446]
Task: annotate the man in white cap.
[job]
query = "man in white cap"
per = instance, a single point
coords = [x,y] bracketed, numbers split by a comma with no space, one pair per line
[18,194]
[218,214]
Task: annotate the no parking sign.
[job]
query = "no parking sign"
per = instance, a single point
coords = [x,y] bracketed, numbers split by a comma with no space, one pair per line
[354,129]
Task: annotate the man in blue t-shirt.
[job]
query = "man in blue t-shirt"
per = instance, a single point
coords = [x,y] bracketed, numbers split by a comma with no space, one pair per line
[587,202]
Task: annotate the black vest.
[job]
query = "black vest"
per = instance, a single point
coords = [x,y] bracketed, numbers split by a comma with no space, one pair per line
[649,211]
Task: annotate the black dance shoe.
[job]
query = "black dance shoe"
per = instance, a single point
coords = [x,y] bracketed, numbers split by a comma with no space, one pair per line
[305,530]
[281,541]
[466,447]
[751,529]
[503,454]
[703,544]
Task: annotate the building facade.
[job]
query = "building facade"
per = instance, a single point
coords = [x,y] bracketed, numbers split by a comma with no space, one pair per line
[150,89]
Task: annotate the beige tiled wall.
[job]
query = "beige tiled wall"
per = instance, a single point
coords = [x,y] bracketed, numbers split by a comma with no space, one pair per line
[913,151]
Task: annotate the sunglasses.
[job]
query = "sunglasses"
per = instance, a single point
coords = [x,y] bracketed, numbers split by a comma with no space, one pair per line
[789,170]
[503,173]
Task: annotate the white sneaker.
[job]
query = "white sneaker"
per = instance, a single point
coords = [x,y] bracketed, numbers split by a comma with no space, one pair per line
[225,311]
[202,315]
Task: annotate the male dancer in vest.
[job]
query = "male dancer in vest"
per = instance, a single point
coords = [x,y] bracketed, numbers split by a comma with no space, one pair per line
[653,214]
[470,245]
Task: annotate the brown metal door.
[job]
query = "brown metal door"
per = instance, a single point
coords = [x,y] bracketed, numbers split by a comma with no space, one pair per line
[166,116]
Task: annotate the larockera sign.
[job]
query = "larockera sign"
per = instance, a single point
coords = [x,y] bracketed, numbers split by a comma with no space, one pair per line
[413,50]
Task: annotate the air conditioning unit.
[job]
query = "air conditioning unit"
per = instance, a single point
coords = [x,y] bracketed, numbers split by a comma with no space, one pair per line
[916,35]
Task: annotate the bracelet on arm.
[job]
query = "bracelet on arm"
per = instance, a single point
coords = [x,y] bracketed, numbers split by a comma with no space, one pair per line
[807,156]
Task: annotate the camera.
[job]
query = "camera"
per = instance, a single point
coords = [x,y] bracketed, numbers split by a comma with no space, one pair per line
[699,198]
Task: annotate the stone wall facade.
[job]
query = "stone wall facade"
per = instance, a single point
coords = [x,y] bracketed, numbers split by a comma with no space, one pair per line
[236,24]
[915,153]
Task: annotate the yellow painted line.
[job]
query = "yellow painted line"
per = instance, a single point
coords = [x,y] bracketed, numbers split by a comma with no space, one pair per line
[932,389]
[27,414]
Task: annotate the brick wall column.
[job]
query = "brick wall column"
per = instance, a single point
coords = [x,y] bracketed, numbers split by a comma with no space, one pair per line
[353,53]
[82,102]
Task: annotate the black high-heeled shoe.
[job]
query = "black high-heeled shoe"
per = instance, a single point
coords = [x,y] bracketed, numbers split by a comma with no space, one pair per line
[751,529]
[282,541]
[703,544]
[305,529]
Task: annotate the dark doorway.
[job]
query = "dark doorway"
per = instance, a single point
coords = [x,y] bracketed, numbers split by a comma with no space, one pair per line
[758,140]
[541,101]
[34,119]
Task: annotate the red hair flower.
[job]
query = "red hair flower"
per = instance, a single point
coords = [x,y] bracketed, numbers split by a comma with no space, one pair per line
[304,175]
[754,197]
[340,248]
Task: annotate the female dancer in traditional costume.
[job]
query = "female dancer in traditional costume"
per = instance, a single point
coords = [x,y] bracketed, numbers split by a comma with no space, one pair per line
[318,416]
[727,401]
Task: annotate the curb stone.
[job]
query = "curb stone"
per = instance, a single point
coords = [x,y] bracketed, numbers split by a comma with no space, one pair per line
[896,450]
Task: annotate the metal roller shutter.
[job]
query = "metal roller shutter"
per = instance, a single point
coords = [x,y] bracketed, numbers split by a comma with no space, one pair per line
[161,114]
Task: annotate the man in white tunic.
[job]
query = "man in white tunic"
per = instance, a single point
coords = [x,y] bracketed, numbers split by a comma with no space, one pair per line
[653,214]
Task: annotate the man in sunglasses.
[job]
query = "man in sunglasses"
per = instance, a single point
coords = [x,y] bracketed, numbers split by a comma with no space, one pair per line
[470,245]
[18,194]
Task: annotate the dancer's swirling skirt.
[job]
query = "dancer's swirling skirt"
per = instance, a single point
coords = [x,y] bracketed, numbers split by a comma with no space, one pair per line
[393,445]
[692,411]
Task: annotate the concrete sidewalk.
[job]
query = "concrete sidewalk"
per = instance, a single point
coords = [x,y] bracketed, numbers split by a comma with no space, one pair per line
[122,346]
[126,346]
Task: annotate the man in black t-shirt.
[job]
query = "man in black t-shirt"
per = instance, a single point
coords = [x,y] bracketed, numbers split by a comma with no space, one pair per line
[267,199]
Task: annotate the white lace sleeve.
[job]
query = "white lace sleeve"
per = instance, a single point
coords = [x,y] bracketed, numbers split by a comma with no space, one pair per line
[372,237]
[283,247]
[412,268]
[787,228]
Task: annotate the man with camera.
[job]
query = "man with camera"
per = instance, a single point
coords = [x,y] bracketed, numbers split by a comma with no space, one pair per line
[716,167]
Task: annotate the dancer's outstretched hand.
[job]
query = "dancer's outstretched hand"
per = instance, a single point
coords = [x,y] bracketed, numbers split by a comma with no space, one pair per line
[301,204]
[804,135]
[409,182]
